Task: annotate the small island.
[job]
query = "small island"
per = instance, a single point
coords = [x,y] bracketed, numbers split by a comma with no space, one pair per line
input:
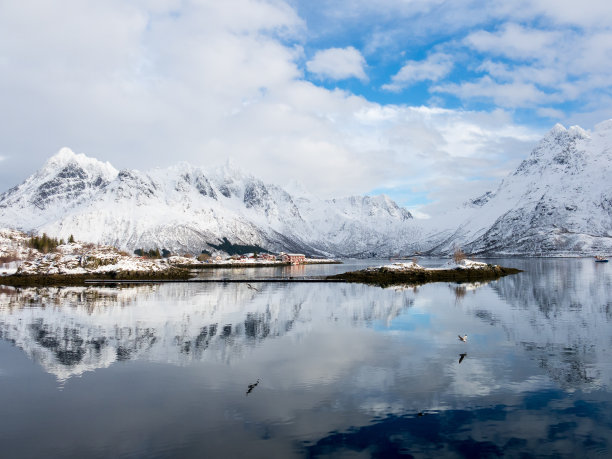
[457,270]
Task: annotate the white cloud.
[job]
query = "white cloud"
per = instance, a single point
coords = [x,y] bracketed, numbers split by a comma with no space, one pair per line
[514,41]
[203,81]
[435,67]
[546,51]
[551,113]
[338,64]
[536,67]
[594,13]
[544,76]
[514,94]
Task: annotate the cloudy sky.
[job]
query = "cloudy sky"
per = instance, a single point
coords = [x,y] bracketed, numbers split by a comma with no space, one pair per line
[419,99]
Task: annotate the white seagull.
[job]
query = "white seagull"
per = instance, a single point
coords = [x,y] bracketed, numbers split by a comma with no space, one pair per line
[463,338]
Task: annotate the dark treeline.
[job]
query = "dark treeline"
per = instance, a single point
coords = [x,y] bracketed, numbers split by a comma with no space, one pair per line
[44,243]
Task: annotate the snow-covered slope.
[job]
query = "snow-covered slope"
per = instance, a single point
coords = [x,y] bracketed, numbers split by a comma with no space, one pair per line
[183,208]
[558,201]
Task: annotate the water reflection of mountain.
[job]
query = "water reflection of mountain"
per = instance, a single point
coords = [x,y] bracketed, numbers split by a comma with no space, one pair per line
[560,313]
[73,330]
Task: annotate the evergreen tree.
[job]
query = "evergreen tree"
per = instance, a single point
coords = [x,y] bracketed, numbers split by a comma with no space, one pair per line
[43,243]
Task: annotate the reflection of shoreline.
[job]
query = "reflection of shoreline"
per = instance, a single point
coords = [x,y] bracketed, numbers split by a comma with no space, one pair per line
[73,330]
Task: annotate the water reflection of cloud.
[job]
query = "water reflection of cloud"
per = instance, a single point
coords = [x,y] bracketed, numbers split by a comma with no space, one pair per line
[172,323]
[346,368]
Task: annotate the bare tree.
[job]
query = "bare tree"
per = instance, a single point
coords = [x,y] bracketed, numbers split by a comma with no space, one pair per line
[458,255]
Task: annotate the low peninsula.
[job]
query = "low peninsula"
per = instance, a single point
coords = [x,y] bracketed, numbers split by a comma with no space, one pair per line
[29,260]
[411,273]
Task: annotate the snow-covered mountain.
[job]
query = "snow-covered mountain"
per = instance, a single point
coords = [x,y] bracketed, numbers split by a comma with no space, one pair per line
[557,202]
[184,209]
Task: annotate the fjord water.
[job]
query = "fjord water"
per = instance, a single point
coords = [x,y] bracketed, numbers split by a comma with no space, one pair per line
[335,369]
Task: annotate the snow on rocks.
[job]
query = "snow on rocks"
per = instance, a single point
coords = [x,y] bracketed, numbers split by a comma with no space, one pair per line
[179,260]
[397,267]
[102,259]
[464,264]
[72,258]
[451,264]
[13,249]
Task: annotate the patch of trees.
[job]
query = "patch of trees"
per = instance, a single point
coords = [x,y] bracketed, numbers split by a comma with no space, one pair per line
[44,243]
[237,249]
[152,253]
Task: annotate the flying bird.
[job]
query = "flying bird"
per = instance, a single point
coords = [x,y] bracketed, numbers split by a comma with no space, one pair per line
[462,356]
[463,338]
[252,288]
[251,387]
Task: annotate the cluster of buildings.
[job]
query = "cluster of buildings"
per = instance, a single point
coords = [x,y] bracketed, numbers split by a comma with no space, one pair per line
[293,258]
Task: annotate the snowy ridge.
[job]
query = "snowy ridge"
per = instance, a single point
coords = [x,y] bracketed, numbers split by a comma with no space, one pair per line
[557,202]
[183,209]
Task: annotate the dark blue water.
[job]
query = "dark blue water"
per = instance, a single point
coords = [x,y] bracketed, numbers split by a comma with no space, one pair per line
[344,370]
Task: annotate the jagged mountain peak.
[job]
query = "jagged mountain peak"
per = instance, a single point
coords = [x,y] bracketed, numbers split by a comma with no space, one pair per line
[559,150]
[559,135]
[558,130]
[557,201]
[65,180]
[184,209]
[65,157]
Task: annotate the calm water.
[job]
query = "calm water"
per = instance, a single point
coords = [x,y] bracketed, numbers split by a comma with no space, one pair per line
[343,370]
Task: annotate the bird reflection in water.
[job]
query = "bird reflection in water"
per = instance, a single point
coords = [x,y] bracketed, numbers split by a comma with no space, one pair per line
[462,356]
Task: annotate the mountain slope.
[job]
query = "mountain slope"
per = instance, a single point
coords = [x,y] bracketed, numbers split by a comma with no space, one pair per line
[183,208]
[558,201]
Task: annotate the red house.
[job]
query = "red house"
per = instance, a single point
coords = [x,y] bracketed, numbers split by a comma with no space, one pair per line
[294,258]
